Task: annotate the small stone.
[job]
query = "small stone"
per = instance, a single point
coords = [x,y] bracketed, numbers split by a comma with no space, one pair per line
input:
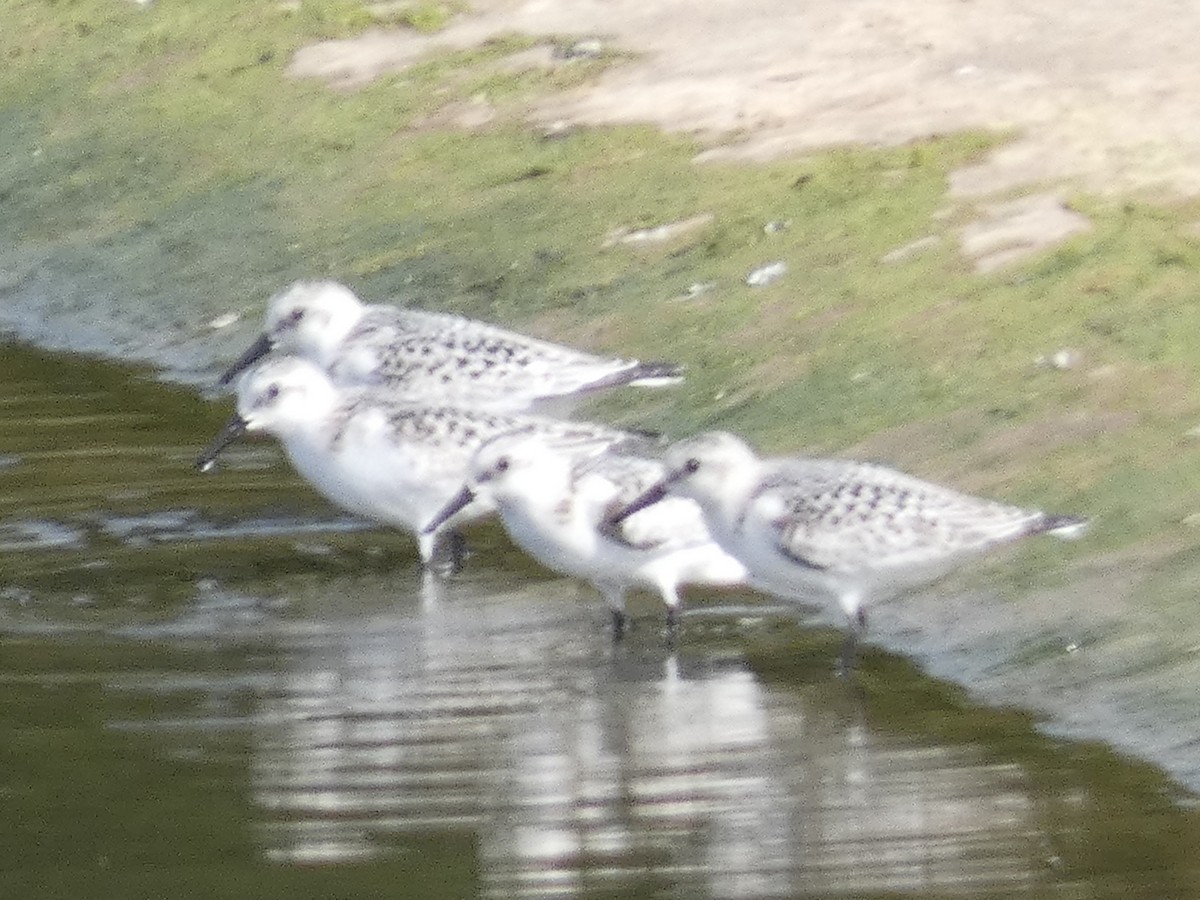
[1066,359]
[589,48]
[698,289]
[558,130]
[776,225]
[1060,360]
[764,275]
[224,321]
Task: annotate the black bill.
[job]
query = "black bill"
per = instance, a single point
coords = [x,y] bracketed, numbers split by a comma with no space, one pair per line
[233,429]
[456,503]
[257,351]
[648,497]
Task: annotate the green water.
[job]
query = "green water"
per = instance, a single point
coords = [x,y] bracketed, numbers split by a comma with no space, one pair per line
[217,686]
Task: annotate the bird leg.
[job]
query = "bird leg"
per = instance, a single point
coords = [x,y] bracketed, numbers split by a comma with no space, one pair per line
[620,623]
[854,630]
[449,553]
[672,625]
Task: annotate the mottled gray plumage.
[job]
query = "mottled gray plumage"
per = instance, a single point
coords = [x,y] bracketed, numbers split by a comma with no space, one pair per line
[430,354]
[392,459]
[846,516]
[807,528]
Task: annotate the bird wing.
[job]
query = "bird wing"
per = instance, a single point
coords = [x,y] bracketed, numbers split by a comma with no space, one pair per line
[837,515]
[400,345]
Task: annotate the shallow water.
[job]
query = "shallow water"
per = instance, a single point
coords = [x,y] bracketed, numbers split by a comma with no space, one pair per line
[218,686]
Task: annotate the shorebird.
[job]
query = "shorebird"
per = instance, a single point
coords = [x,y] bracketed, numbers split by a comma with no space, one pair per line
[555,504]
[429,354]
[391,459]
[807,528]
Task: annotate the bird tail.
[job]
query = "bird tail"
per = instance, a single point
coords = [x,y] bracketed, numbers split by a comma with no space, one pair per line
[653,374]
[641,374]
[1066,527]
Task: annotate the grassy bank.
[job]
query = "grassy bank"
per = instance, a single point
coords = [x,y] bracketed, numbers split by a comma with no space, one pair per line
[160,164]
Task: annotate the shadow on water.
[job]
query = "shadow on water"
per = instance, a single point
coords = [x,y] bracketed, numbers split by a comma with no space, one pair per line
[220,687]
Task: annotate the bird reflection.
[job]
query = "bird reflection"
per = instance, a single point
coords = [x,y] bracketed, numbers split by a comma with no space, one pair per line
[497,710]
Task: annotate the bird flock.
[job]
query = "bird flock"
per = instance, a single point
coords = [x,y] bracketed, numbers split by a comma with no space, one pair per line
[427,421]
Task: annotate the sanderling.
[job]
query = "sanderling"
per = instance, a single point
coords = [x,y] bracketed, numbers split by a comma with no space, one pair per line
[393,460]
[555,504]
[430,354]
[853,530]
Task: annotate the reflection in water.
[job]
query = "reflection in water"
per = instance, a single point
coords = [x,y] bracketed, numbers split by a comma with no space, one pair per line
[577,763]
[38,535]
[162,722]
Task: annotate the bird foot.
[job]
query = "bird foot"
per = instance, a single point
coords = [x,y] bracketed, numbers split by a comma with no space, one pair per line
[449,555]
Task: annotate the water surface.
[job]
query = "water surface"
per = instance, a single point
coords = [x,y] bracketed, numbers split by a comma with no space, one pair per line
[220,686]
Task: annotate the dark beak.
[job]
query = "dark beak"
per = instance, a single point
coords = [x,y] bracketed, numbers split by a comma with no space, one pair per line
[257,351]
[457,502]
[647,498]
[233,429]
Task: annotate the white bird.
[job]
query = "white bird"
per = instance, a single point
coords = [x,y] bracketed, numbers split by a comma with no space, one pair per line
[393,460]
[851,530]
[429,354]
[555,504]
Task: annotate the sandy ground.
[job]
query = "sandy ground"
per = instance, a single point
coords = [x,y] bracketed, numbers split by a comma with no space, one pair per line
[1103,95]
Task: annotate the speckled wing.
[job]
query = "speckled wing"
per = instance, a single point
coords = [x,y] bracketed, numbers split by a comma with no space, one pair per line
[412,351]
[458,431]
[836,515]
[469,427]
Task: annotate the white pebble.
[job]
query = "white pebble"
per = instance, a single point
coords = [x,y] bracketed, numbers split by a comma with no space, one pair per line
[766,274]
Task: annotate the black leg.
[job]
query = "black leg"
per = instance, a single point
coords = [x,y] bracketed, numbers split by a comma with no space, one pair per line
[854,629]
[620,622]
[449,554]
[672,625]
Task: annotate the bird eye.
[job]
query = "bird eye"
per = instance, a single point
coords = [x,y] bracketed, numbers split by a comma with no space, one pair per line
[692,466]
[293,318]
[271,394]
[502,464]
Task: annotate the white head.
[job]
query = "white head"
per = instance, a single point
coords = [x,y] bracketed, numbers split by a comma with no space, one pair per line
[716,469]
[709,465]
[519,465]
[311,318]
[511,468]
[283,395]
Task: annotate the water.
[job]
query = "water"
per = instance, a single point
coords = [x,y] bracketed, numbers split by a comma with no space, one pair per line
[218,686]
